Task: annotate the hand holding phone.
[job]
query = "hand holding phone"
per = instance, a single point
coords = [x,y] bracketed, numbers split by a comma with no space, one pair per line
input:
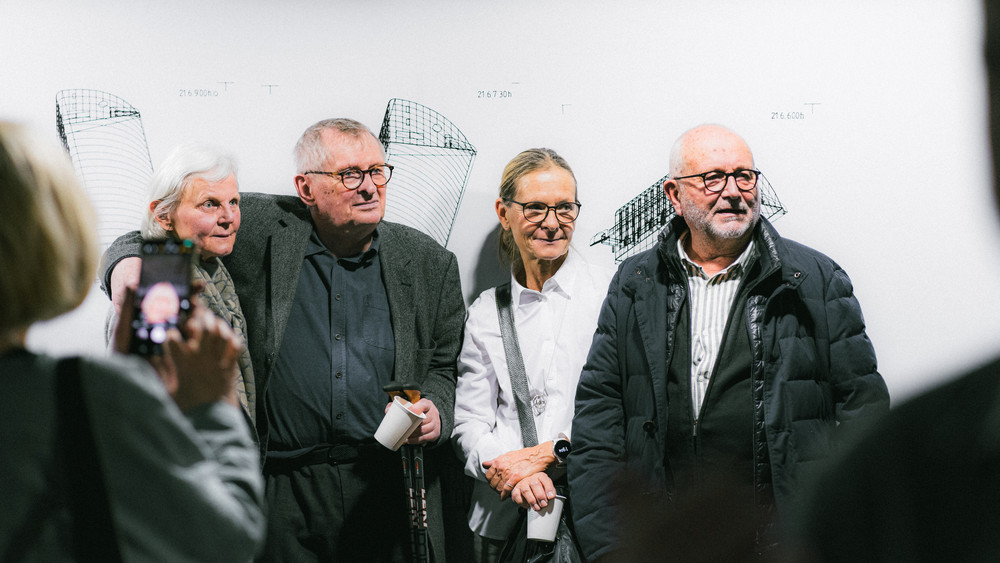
[197,367]
[163,297]
[205,364]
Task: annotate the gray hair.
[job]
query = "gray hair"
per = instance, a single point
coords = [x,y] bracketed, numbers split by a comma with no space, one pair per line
[183,164]
[310,153]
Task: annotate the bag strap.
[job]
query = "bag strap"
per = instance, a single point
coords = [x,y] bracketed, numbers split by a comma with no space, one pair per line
[515,366]
[93,527]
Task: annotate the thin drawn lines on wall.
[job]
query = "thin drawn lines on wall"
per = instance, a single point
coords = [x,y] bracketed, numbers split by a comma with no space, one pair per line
[432,160]
[107,144]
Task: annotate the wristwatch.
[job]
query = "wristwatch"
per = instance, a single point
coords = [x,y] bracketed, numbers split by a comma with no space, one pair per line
[561,449]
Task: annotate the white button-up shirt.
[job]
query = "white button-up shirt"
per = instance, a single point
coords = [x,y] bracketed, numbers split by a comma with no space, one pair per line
[555,328]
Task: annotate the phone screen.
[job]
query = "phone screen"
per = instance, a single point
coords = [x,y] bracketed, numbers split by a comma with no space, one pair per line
[163,298]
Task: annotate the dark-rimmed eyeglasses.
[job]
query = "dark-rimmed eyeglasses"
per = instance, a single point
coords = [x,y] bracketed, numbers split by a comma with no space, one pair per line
[536,211]
[352,178]
[716,180]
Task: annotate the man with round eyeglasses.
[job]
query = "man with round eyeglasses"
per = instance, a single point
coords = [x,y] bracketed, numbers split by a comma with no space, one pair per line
[726,359]
[339,304]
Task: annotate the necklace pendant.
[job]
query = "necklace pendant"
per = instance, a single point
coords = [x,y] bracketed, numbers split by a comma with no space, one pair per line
[538,404]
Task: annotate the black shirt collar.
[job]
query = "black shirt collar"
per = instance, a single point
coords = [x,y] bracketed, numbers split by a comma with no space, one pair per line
[315,246]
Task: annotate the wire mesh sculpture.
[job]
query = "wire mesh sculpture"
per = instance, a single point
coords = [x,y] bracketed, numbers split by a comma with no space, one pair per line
[638,223]
[107,144]
[432,160]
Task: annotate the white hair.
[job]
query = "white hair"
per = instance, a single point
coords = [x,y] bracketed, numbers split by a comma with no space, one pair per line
[183,164]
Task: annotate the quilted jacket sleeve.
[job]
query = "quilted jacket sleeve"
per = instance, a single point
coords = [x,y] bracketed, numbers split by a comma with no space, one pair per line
[598,436]
[860,393]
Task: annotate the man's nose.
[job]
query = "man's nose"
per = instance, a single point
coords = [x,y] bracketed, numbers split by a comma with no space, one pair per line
[730,189]
[367,186]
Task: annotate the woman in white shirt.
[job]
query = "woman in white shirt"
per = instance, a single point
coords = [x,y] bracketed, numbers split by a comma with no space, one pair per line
[556,296]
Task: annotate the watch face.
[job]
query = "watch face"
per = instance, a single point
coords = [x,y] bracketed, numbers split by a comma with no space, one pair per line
[561,449]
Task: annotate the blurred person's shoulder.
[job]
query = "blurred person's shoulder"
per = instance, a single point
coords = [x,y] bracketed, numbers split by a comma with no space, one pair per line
[30,378]
[967,402]
[121,374]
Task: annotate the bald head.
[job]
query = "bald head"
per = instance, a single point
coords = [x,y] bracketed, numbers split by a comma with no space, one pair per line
[697,149]
[720,219]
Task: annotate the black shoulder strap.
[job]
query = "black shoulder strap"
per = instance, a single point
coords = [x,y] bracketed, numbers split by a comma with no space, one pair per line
[94,536]
[515,366]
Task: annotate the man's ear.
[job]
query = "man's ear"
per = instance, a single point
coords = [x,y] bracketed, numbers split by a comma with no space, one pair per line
[304,190]
[163,220]
[671,189]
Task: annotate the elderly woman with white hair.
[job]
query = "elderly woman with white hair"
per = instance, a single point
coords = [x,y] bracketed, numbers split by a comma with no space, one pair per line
[99,463]
[194,196]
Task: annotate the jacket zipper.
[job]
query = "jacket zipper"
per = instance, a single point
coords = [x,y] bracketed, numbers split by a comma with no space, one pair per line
[694,436]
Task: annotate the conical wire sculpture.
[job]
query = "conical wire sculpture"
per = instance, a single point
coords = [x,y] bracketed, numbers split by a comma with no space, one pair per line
[107,144]
[432,160]
[639,222]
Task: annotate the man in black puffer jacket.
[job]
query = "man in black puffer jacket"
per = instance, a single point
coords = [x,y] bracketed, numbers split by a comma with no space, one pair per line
[726,359]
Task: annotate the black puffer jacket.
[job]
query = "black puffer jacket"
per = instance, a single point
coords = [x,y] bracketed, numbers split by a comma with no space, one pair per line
[814,376]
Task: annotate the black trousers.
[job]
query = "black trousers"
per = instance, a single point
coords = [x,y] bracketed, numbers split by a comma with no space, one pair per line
[345,512]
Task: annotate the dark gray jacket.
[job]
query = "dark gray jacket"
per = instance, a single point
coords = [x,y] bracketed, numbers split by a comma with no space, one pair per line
[421,281]
[813,376]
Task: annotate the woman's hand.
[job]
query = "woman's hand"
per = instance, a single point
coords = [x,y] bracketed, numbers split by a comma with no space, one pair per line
[534,491]
[505,472]
[199,369]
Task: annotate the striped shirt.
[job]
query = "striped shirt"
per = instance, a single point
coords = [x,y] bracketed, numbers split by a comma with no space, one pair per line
[711,299]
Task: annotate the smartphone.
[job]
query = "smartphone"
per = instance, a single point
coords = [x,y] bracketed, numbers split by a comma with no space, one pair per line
[163,298]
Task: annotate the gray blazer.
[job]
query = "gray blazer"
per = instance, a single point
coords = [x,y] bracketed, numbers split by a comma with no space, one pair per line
[421,280]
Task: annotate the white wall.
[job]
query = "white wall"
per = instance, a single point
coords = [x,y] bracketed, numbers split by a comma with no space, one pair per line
[887,172]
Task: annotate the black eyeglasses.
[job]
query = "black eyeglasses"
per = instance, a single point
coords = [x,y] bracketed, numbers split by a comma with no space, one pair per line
[352,178]
[536,211]
[716,180]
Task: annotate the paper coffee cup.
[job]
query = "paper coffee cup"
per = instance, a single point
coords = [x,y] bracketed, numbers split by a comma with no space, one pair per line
[543,524]
[398,424]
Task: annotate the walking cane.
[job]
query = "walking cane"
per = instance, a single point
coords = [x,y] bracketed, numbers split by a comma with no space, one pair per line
[413,478]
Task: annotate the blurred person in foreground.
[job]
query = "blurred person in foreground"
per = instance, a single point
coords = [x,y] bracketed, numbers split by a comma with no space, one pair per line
[194,196]
[555,295]
[726,357]
[924,485]
[163,478]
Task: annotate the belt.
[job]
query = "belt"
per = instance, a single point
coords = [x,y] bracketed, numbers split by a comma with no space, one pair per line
[333,455]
